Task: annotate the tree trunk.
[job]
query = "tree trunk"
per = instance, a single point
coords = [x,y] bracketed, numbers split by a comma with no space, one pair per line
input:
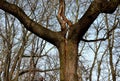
[68,60]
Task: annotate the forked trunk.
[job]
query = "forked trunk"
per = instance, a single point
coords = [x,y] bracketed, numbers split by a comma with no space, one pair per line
[68,60]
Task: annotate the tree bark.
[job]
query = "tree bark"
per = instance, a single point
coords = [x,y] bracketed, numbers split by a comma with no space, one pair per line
[68,51]
[29,24]
[68,48]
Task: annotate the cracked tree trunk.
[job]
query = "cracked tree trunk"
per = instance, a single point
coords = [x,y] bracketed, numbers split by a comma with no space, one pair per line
[68,60]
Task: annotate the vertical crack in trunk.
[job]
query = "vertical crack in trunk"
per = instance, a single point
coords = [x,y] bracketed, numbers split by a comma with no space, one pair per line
[68,59]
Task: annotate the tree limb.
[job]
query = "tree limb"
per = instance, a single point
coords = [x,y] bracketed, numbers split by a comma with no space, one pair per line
[29,24]
[81,27]
[61,16]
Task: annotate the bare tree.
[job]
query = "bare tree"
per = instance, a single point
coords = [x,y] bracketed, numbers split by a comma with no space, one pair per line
[66,40]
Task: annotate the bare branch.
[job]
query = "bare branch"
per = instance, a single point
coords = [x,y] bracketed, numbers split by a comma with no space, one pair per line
[82,26]
[29,24]
[61,16]
[36,70]
[108,34]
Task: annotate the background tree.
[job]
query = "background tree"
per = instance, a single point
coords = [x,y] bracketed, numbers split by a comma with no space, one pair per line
[68,38]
